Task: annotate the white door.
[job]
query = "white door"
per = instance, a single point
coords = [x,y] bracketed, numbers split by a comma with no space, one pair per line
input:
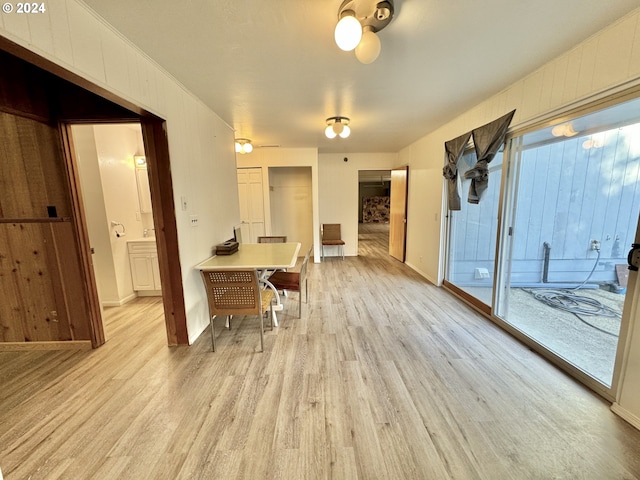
[251,203]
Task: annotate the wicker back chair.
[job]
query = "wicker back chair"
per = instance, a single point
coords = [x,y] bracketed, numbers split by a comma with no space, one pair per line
[272,239]
[237,292]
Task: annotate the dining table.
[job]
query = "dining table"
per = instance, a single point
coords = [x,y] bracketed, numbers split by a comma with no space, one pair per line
[263,257]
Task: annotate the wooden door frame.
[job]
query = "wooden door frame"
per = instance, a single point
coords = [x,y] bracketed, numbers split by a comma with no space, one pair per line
[160,185]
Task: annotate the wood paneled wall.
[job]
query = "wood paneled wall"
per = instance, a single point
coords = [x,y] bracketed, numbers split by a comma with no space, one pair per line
[43,289]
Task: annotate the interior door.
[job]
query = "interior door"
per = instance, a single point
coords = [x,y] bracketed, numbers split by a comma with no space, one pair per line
[398,213]
[251,203]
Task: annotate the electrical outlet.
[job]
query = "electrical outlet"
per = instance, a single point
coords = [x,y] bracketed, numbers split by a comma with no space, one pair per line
[193,220]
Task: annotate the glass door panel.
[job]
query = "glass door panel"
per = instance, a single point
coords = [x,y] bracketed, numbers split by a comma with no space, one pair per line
[572,200]
[472,233]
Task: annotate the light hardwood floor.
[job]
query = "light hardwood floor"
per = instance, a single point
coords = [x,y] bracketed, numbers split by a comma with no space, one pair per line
[384,377]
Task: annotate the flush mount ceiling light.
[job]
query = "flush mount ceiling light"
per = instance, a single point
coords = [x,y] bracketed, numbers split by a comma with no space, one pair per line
[337,126]
[358,23]
[243,145]
[563,130]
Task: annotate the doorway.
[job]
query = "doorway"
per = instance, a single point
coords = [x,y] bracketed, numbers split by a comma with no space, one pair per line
[291,204]
[374,212]
[115,192]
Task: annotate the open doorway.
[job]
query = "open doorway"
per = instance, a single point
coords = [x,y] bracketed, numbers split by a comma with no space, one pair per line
[115,191]
[374,210]
[291,204]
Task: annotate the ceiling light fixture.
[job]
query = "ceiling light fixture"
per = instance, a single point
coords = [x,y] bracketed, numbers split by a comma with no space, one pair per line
[358,24]
[243,145]
[337,126]
[564,129]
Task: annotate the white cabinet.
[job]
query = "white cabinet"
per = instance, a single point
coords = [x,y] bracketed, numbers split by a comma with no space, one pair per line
[145,272]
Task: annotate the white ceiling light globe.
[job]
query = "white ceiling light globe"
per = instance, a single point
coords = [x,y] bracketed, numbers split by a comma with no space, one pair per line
[338,127]
[248,148]
[369,47]
[238,148]
[329,133]
[346,131]
[348,32]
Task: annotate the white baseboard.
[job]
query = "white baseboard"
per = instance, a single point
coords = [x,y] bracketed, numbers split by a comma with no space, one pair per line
[119,303]
[626,415]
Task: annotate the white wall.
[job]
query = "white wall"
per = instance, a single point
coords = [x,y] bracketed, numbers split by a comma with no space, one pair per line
[338,185]
[201,145]
[97,226]
[116,146]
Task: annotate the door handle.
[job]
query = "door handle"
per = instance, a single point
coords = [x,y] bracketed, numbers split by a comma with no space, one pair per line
[633,259]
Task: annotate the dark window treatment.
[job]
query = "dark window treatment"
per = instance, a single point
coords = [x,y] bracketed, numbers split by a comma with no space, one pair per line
[454,149]
[487,140]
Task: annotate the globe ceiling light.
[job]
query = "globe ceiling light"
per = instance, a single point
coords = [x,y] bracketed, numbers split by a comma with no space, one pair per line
[337,126]
[243,145]
[329,133]
[369,47]
[358,24]
[348,31]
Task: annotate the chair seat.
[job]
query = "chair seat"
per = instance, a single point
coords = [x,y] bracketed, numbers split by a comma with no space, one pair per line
[333,242]
[286,280]
[267,296]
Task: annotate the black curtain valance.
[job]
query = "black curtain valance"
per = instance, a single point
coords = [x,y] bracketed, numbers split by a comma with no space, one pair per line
[487,141]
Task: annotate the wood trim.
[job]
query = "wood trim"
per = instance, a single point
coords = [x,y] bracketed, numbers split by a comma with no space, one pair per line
[35,220]
[61,72]
[65,345]
[471,300]
[82,238]
[156,147]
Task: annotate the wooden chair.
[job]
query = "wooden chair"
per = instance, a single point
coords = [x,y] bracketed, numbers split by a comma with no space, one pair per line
[237,292]
[273,239]
[293,281]
[331,235]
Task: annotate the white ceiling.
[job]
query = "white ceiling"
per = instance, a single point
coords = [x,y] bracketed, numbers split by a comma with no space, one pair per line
[272,71]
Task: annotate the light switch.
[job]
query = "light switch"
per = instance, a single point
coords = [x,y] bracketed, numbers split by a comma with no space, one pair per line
[193,220]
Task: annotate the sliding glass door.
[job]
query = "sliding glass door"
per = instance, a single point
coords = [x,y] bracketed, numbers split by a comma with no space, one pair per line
[568,206]
[472,234]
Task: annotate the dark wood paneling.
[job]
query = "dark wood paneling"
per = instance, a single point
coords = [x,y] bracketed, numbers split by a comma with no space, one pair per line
[82,267]
[40,284]
[31,169]
[27,95]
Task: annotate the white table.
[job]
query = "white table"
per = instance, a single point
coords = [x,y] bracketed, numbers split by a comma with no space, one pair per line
[264,257]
